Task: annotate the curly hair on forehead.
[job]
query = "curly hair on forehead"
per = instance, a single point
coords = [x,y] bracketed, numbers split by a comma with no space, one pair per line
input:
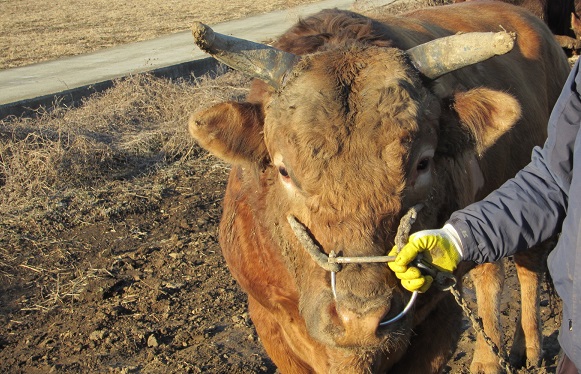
[330,28]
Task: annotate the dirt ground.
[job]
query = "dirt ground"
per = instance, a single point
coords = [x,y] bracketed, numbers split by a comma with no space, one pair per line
[109,261]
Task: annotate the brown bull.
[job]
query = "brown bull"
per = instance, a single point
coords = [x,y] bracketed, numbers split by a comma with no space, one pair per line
[356,124]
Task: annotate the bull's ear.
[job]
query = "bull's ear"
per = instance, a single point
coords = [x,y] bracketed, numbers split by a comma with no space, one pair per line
[231,131]
[486,115]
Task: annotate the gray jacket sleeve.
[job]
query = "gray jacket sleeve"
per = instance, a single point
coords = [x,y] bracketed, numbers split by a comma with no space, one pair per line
[530,207]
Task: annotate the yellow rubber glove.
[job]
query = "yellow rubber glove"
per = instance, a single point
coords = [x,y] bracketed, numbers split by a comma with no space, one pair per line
[440,248]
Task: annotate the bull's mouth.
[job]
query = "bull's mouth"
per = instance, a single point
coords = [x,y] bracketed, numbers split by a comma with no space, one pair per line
[388,320]
[332,262]
[380,324]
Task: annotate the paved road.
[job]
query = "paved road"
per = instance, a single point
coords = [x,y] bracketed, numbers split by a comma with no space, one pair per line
[73,77]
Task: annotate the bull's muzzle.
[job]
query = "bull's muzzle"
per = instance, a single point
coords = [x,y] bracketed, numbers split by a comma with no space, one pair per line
[332,262]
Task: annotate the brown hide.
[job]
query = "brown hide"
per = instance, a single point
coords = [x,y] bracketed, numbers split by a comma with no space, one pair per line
[353,139]
[562,17]
[556,14]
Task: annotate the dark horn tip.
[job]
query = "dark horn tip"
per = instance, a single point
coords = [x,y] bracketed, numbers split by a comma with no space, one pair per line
[202,34]
[504,41]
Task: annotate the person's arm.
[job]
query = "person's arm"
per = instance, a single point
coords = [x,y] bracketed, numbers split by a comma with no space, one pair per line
[530,207]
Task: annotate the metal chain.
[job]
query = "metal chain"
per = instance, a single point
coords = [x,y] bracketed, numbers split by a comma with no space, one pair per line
[447,282]
[479,327]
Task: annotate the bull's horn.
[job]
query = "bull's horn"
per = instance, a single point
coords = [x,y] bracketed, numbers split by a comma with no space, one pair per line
[443,55]
[258,60]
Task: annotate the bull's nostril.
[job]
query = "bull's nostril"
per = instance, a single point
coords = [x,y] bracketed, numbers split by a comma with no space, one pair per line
[361,328]
[334,315]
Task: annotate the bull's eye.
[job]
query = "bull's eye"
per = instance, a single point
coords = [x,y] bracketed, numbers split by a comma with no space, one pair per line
[283,172]
[423,165]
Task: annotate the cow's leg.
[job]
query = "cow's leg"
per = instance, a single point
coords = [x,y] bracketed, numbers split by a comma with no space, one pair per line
[528,337]
[434,340]
[488,283]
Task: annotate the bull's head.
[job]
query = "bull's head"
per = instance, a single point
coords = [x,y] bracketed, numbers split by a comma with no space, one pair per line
[346,140]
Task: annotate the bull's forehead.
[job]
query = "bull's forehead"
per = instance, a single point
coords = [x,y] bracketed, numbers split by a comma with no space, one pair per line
[348,117]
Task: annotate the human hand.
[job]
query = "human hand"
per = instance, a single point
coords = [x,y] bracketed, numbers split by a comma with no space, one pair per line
[440,249]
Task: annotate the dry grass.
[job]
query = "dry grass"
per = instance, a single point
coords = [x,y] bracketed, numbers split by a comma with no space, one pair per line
[113,155]
[132,127]
[33,31]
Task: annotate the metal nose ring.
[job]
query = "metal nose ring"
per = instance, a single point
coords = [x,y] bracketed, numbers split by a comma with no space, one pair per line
[350,260]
